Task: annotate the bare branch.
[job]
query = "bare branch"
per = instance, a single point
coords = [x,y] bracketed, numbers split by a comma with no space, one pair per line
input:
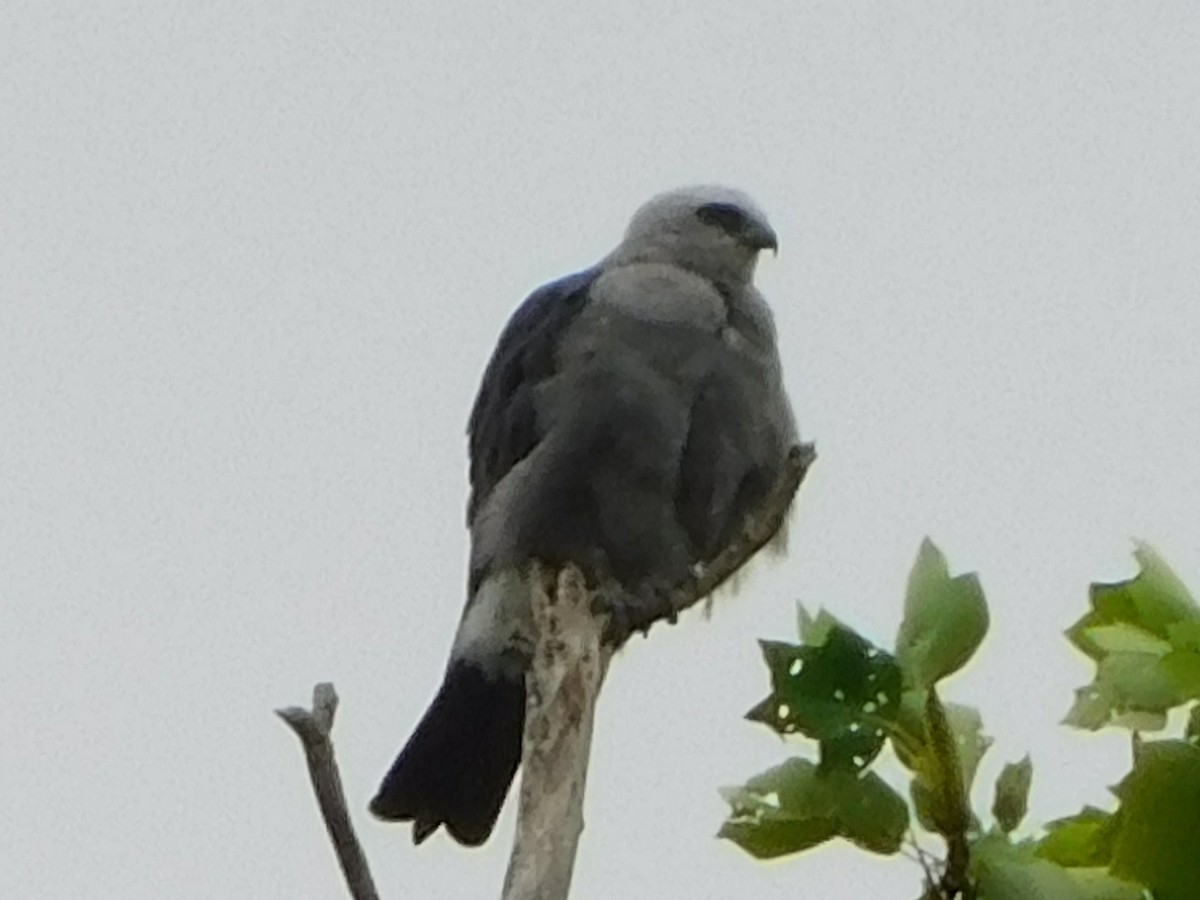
[313,727]
[563,684]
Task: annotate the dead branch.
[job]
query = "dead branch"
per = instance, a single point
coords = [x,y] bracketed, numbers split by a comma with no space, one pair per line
[562,687]
[313,727]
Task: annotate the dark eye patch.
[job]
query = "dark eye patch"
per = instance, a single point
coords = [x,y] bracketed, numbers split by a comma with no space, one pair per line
[725,216]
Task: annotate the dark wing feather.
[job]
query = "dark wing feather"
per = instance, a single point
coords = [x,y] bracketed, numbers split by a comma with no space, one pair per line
[503,424]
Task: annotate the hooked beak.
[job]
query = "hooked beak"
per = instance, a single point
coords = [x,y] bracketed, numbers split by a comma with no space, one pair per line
[761,236]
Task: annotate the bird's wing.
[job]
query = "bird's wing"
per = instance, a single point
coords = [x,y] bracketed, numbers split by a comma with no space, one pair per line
[721,473]
[503,426]
[740,426]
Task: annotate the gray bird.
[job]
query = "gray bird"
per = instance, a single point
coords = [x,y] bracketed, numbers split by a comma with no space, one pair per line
[629,419]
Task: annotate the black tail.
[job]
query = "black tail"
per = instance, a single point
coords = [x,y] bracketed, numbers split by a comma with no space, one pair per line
[457,766]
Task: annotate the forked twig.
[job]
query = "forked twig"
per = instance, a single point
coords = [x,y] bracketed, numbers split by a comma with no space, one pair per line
[313,727]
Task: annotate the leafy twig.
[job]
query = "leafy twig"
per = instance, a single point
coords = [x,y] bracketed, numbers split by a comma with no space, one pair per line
[953,811]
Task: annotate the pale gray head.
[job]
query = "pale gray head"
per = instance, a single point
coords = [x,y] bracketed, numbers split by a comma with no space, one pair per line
[714,231]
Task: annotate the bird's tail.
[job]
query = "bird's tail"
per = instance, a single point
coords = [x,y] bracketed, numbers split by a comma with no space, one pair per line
[457,766]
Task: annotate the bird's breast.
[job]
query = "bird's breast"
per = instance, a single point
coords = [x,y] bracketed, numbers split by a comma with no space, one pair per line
[659,294]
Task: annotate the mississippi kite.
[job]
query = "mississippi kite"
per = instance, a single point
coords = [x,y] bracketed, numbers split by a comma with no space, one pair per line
[630,417]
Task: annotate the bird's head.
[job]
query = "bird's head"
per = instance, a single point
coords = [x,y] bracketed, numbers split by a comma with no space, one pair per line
[714,231]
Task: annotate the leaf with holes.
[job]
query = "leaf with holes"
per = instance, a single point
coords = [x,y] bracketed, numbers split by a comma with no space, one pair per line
[843,693]
[798,805]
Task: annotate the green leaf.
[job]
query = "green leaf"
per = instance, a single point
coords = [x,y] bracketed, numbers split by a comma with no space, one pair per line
[939,806]
[1024,880]
[1092,709]
[1081,840]
[815,630]
[1156,844]
[967,727]
[1130,689]
[1006,871]
[1003,870]
[945,619]
[1182,664]
[1156,596]
[1012,794]
[799,805]
[965,723]
[1098,884]
[1192,733]
[1151,602]
[1182,668]
[1185,635]
[843,693]
[1144,635]
[1125,638]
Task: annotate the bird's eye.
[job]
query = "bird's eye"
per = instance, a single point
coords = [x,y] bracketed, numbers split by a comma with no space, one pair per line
[725,216]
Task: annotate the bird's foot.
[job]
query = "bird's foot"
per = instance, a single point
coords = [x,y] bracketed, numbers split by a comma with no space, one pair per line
[632,611]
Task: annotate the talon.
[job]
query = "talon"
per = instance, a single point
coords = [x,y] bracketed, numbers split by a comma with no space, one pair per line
[619,626]
[635,611]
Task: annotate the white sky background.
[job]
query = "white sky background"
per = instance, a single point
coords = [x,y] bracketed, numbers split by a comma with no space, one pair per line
[255,256]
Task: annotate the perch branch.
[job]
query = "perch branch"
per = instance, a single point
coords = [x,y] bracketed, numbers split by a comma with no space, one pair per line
[313,727]
[563,685]
[568,669]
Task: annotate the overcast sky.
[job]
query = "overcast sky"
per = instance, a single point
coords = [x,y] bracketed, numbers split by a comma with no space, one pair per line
[253,258]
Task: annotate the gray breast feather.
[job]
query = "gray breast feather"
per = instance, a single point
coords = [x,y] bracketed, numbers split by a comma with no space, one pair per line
[658,293]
